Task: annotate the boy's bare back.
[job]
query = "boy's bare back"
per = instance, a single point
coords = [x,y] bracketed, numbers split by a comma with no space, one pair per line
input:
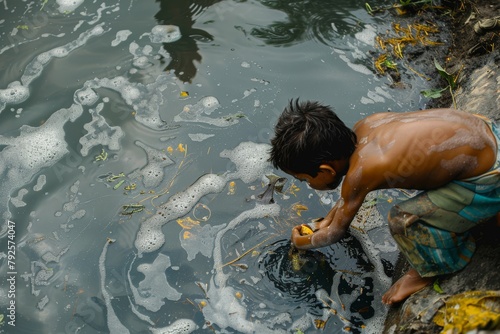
[416,150]
[420,150]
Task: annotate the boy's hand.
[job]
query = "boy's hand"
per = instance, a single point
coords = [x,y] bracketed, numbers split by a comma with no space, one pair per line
[301,238]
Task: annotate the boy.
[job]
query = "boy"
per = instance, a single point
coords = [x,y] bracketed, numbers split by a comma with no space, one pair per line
[451,155]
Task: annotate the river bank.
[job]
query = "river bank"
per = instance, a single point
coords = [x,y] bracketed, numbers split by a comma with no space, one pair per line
[470,56]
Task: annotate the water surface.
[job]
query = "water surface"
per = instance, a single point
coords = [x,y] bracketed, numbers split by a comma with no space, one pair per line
[133,148]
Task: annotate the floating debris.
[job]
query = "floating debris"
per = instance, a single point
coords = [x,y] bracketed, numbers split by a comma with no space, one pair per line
[412,34]
[275,183]
[130,209]
[101,157]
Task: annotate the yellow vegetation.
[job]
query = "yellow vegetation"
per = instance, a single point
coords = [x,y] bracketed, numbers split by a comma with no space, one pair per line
[470,310]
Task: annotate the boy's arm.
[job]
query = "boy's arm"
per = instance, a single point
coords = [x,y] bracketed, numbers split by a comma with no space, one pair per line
[333,226]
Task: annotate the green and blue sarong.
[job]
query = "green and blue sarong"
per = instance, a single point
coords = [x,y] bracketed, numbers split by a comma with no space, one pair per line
[435,239]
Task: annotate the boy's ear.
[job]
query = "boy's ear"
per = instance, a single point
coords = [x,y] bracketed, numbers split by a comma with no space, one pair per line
[327,168]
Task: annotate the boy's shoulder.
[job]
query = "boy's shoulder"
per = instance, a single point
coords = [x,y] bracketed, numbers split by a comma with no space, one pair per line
[421,148]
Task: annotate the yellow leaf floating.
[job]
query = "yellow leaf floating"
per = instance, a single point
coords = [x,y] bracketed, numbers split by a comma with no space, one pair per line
[293,189]
[184,94]
[320,324]
[470,310]
[186,235]
[298,208]
[181,148]
[187,223]
[170,149]
[232,188]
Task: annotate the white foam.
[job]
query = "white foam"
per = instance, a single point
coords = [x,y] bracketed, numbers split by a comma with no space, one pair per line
[18,201]
[150,236]
[209,103]
[367,35]
[152,173]
[141,62]
[165,34]
[68,5]
[32,150]
[86,96]
[223,307]
[206,105]
[145,100]
[154,288]
[18,91]
[40,182]
[14,93]
[36,66]
[114,324]
[199,136]
[99,132]
[121,36]
[251,160]
[180,326]
[201,240]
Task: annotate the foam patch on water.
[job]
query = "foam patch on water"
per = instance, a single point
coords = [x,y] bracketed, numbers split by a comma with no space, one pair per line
[68,5]
[196,113]
[250,160]
[165,34]
[121,36]
[223,307]
[145,100]
[18,92]
[15,93]
[200,136]
[180,326]
[152,174]
[40,182]
[150,236]
[99,132]
[86,96]
[36,66]
[154,287]
[32,150]
[18,201]
[200,241]
[114,324]
[367,35]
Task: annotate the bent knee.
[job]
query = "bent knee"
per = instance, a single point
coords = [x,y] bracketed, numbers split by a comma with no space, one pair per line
[399,220]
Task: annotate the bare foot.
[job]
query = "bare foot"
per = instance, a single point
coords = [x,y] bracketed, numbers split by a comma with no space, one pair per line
[410,283]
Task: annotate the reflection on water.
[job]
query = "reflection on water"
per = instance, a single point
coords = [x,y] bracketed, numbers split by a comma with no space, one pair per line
[184,52]
[313,19]
[135,195]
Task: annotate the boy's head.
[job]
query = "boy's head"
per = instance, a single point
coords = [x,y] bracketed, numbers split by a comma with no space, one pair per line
[308,135]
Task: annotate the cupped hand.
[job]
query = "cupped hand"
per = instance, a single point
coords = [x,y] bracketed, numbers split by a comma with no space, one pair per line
[301,241]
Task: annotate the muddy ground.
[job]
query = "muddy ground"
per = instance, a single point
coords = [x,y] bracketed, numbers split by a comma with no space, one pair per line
[473,61]
[459,49]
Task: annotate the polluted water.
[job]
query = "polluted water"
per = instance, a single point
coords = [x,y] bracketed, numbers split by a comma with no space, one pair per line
[137,195]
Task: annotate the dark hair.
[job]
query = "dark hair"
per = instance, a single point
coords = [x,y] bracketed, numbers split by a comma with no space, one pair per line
[308,134]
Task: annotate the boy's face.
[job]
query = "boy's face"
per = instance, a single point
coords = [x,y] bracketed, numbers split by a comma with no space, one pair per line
[326,179]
